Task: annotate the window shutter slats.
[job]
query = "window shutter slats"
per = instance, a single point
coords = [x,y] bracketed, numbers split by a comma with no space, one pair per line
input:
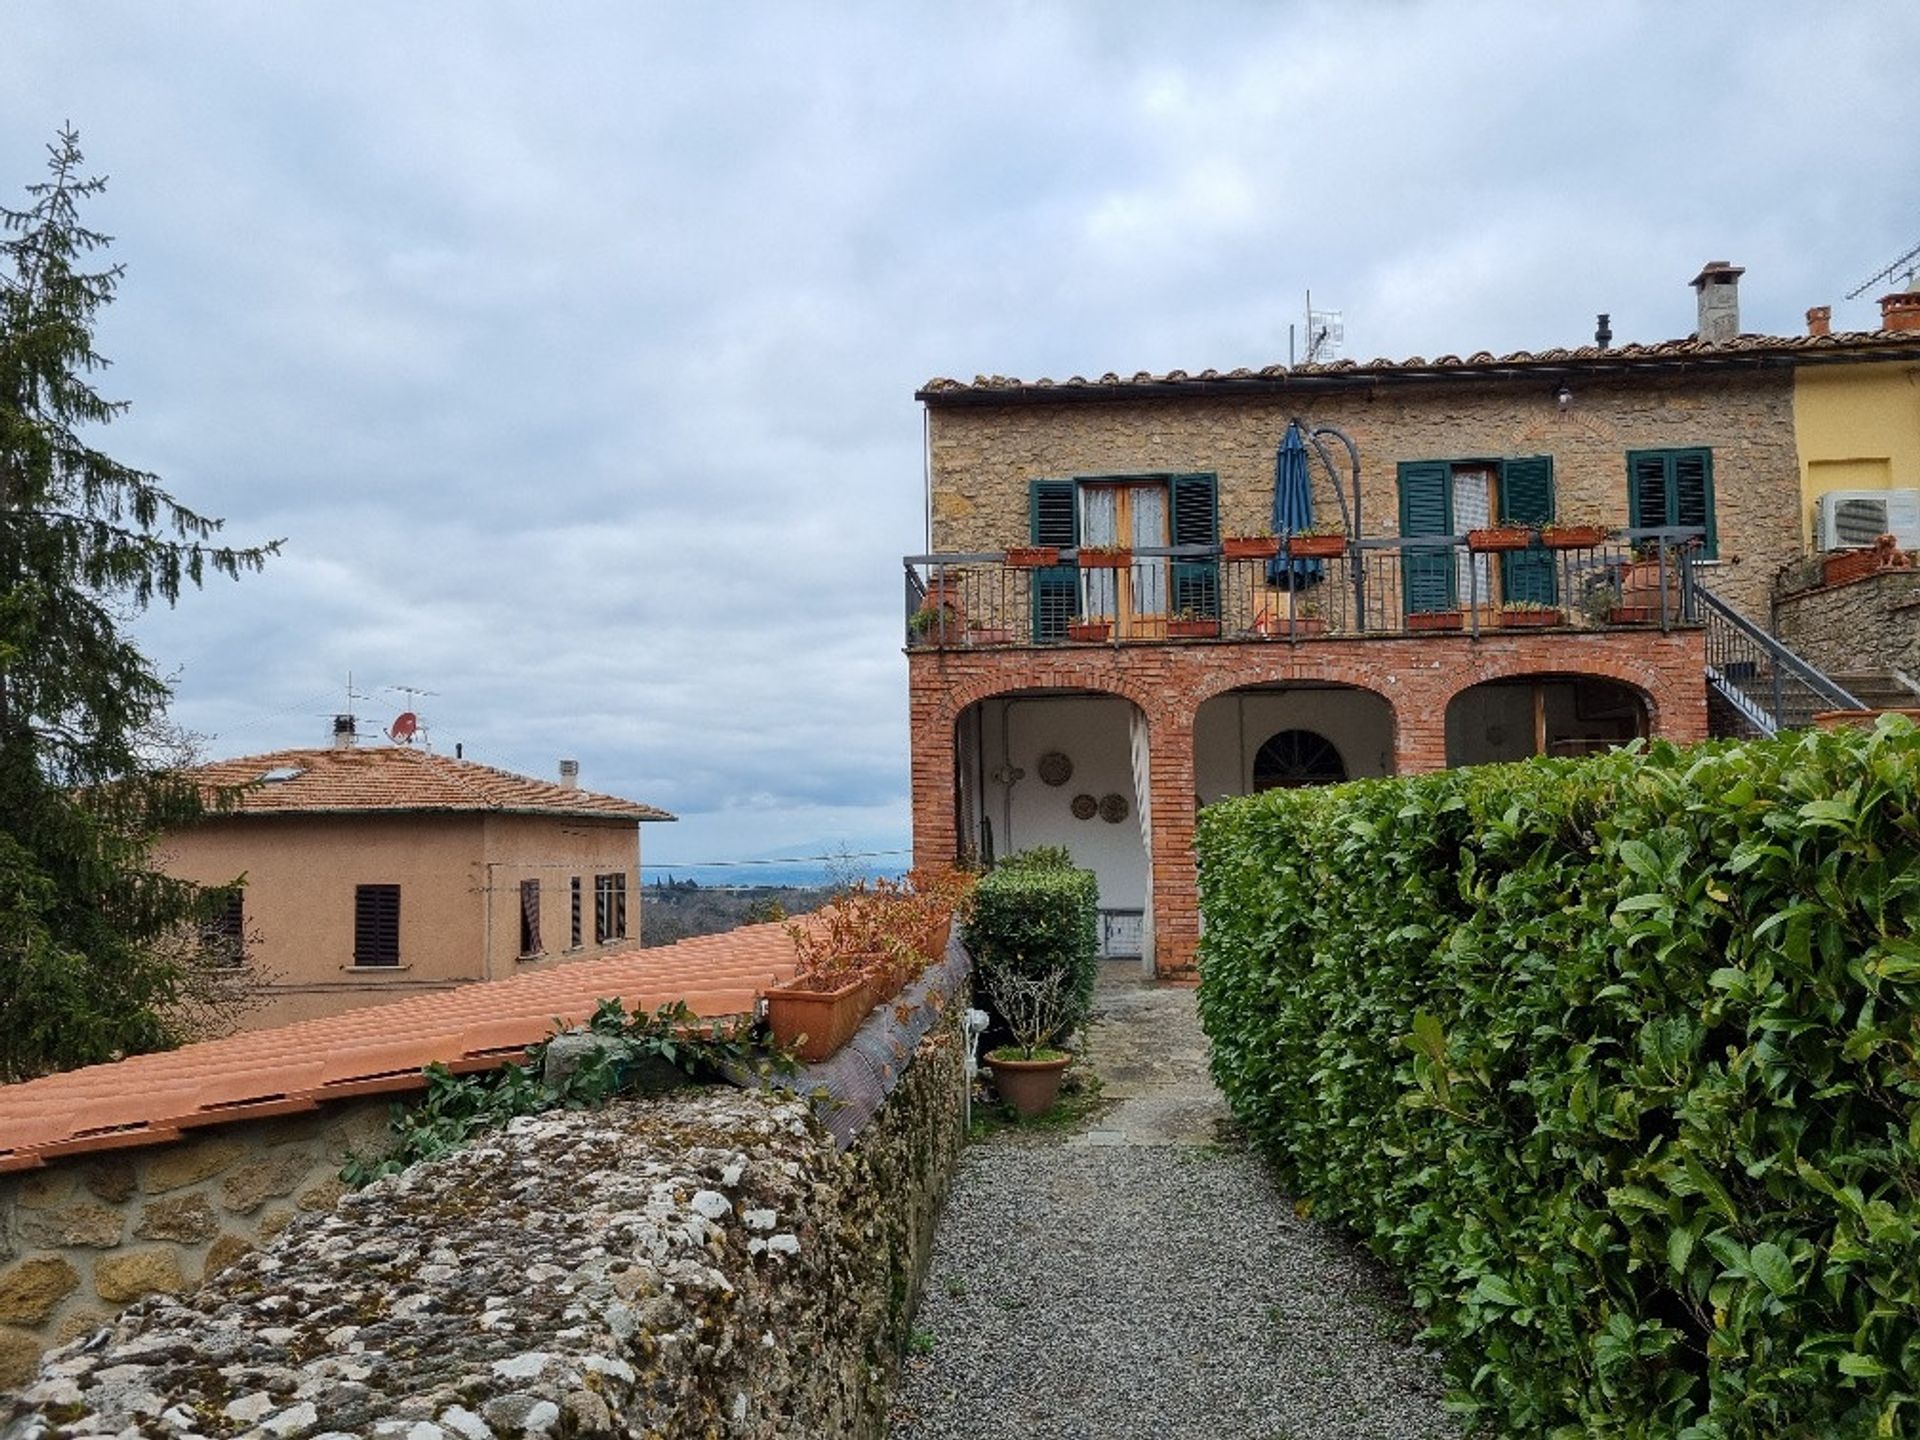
[1673,487]
[1647,490]
[376,925]
[1526,498]
[1053,518]
[1194,501]
[1426,508]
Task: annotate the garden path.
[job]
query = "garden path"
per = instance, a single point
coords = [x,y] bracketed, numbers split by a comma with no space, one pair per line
[1139,1275]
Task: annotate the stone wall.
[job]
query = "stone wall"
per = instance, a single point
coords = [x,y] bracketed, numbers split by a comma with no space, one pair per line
[83,1237]
[1872,623]
[706,1263]
[983,456]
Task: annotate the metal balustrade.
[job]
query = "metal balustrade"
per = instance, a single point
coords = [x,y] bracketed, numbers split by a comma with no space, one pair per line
[1769,686]
[1390,585]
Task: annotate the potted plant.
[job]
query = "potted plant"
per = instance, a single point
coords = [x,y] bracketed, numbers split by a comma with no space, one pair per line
[1418,620]
[852,953]
[1033,557]
[1530,614]
[1499,537]
[989,635]
[1192,625]
[1089,632]
[1250,547]
[932,624]
[1103,557]
[1321,542]
[1573,535]
[1037,1008]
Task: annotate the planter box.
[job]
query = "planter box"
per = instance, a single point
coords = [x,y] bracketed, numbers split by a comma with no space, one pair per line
[1089,632]
[1282,627]
[1531,619]
[1105,559]
[826,1018]
[1250,547]
[1193,629]
[989,635]
[1573,537]
[1504,537]
[1434,620]
[1634,615]
[1316,547]
[1848,565]
[1033,557]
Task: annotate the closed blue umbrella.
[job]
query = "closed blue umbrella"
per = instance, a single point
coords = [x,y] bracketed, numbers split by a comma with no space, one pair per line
[1292,509]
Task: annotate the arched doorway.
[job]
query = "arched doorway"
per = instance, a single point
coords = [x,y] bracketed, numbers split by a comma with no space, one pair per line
[1291,759]
[1260,737]
[1528,715]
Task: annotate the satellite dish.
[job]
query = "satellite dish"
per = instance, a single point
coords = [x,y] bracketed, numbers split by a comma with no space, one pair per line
[405,726]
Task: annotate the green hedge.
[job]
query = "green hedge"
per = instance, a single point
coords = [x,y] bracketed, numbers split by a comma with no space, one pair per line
[1616,1061]
[1036,912]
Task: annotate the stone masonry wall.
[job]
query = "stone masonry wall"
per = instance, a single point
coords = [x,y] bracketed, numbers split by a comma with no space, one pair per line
[83,1237]
[702,1264]
[1868,624]
[983,456]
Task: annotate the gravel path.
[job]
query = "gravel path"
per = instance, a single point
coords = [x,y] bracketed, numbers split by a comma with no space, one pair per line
[1139,1279]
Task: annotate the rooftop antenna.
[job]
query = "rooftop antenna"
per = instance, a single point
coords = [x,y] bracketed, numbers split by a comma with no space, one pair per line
[1905,267]
[408,726]
[1326,333]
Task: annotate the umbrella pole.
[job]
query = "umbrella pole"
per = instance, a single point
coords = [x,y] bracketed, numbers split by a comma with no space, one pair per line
[1351,517]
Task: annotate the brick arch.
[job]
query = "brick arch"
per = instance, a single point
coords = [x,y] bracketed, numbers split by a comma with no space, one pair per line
[1645,680]
[956,700]
[1354,677]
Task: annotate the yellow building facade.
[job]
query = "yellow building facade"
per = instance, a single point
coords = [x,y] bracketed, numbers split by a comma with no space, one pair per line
[1857,427]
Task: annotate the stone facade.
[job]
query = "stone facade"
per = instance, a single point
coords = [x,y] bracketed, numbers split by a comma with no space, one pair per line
[1872,623]
[82,1238]
[984,455]
[1169,683]
[702,1264]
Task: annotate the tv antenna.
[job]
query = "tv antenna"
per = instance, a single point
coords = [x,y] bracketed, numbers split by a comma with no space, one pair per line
[1326,334]
[1905,267]
[407,726]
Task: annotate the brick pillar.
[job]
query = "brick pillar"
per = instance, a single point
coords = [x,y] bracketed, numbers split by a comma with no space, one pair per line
[1419,727]
[1174,875]
[930,722]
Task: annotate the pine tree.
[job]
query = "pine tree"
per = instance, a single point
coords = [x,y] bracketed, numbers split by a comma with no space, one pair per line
[92,957]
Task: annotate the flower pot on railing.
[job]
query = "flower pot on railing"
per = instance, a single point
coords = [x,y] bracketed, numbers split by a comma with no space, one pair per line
[1089,632]
[1250,547]
[1640,583]
[1033,557]
[1500,537]
[1193,629]
[1103,557]
[815,1023]
[1434,620]
[1633,615]
[989,635]
[1573,537]
[1316,547]
[1532,618]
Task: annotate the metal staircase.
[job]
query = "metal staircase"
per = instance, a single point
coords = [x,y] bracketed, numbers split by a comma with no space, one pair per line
[1764,685]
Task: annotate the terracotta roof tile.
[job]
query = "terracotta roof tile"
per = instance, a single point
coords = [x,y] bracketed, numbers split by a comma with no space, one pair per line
[1862,345]
[151,1098]
[378,778]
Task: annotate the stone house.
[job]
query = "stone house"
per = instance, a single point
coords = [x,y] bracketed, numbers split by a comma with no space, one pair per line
[1062,693]
[375,873]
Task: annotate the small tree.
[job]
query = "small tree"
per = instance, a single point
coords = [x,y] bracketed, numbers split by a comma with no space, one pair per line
[91,962]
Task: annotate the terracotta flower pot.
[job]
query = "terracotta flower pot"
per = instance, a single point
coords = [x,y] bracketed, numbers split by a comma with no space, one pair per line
[1105,559]
[1573,537]
[1633,615]
[1033,557]
[1030,1086]
[815,1023]
[1250,547]
[1531,619]
[1434,620]
[1499,537]
[1193,629]
[989,635]
[1089,632]
[1316,547]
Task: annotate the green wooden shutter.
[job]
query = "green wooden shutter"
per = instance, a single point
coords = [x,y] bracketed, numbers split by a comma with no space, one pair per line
[1526,498]
[1647,489]
[1692,491]
[1194,504]
[1426,508]
[1053,518]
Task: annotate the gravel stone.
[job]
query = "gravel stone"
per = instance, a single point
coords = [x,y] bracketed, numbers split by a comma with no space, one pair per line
[1147,1280]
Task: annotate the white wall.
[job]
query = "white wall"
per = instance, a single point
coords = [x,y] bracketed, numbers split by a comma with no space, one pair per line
[1230,729]
[1093,732]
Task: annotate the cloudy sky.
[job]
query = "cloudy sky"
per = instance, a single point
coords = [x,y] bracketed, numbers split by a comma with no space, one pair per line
[572,347]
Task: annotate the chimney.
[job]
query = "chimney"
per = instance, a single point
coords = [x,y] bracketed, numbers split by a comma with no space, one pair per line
[569,774]
[343,736]
[1820,320]
[1900,311]
[1602,331]
[1718,284]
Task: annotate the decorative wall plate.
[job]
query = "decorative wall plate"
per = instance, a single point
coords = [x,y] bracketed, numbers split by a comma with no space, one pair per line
[1085,807]
[1054,768]
[1113,808]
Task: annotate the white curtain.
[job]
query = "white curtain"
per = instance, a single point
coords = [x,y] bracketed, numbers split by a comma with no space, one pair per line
[1473,510]
[1099,525]
[1149,530]
[1143,807]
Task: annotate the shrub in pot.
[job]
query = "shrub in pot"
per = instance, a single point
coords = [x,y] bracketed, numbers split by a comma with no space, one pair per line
[1037,1009]
[1035,913]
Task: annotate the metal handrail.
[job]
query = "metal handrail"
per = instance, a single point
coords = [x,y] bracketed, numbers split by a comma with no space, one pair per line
[1737,651]
[1820,683]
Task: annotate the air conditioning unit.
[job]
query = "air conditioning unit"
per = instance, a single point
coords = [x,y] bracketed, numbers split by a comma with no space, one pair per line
[1849,518]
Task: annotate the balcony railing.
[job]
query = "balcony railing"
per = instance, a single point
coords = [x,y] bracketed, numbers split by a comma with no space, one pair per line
[1424,585]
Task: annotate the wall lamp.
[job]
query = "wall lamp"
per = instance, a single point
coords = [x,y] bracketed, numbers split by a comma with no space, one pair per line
[1563,397]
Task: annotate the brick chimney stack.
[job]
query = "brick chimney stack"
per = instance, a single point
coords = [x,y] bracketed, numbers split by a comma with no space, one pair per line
[343,732]
[1718,287]
[569,774]
[1900,310]
[1820,320]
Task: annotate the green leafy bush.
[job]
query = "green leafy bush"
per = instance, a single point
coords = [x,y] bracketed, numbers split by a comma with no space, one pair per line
[1033,915]
[1616,1061]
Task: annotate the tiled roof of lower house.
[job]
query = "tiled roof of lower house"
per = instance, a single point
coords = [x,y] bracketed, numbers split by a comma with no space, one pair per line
[396,778]
[1691,353]
[149,1099]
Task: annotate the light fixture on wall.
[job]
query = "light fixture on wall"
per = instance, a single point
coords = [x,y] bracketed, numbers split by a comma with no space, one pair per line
[1563,397]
